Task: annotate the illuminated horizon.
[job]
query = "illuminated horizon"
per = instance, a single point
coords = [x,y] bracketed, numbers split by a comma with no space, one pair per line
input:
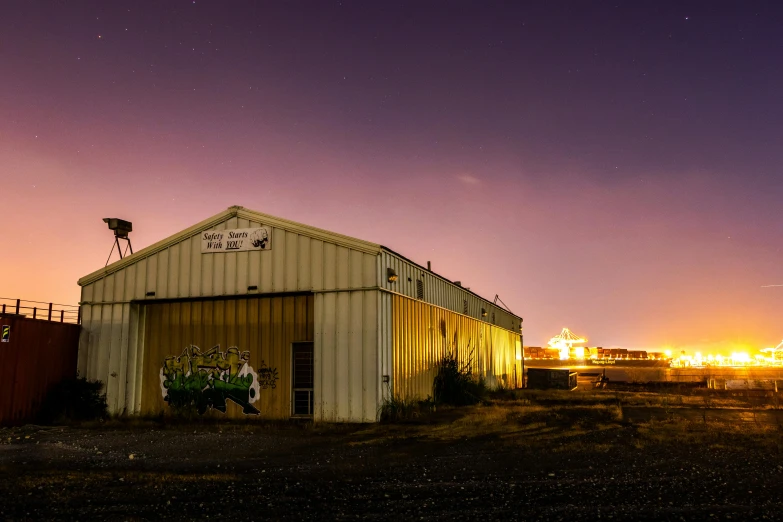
[615,169]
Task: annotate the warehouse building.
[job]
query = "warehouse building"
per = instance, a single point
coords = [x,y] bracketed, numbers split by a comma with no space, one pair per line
[253,315]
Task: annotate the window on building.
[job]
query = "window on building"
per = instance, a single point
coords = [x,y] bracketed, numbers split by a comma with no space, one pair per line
[419,289]
[303,379]
[465,307]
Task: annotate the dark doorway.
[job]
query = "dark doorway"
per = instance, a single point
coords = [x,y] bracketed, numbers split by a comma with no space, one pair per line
[303,379]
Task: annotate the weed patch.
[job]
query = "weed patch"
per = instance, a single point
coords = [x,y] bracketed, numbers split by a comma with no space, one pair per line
[74,400]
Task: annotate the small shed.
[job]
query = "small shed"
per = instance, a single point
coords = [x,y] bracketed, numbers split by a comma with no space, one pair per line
[551,379]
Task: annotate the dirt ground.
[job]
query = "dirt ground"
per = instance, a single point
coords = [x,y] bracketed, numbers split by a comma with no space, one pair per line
[513,460]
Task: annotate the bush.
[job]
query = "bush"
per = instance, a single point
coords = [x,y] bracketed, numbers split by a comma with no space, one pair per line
[397,409]
[457,385]
[74,399]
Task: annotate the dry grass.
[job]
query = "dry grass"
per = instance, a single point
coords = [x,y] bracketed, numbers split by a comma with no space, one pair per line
[566,421]
[513,421]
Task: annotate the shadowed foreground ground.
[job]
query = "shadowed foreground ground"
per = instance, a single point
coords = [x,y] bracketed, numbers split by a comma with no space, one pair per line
[512,460]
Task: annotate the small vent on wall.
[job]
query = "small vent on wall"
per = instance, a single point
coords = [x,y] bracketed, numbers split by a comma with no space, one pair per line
[252,287]
[150,294]
[419,289]
[465,307]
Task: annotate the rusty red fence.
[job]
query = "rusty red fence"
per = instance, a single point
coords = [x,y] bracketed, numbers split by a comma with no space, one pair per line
[41,310]
[35,355]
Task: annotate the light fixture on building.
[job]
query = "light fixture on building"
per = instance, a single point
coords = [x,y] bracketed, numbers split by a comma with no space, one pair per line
[391,275]
[483,312]
[121,230]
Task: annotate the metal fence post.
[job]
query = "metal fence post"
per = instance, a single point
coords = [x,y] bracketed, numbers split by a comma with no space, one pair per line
[35,311]
[17,306]
[62,316]
[50,311]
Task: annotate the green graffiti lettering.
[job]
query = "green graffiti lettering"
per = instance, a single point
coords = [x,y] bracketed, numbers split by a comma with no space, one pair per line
[207,380]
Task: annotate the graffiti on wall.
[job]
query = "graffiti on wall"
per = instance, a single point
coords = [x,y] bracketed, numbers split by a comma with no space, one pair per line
[267,377]
[208,380]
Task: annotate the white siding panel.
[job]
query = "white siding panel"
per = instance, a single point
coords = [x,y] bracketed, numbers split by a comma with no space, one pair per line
[183,269]
[152,274]
[132,359]
[370,275]
[355,269]
[342,374]
[325,355]
[230,286]
[129,288]
[108,287]
[266,267]
[343,268]
[87,292]
[385,348]
[254,268]
[353,355]
[346,356]
[207,264]
[304,265]
[330,266]
[140,284]
[242,272]
[218,269]
[278,260]
[317,264]
[162,279]
[290,263]
[196,262]
[103,355]
[368,352]
[172,289]
[119,285]
[115,372]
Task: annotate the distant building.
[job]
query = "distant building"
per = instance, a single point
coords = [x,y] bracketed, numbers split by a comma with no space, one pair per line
[254,315]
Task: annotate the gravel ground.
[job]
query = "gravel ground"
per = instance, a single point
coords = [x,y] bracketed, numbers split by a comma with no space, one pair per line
[290,472]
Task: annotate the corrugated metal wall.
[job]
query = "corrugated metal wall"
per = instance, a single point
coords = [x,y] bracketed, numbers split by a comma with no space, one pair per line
[347,364]
[263,326]
[296,263]
[423,334]
[441,293]
[39,355]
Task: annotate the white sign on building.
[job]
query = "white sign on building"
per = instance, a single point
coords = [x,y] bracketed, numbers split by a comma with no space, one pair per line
[236,240]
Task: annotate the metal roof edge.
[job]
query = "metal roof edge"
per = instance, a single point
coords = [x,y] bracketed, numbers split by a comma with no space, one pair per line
[309,230]
[390,251]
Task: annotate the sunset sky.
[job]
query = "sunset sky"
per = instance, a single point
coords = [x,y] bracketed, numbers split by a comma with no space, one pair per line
[613,167]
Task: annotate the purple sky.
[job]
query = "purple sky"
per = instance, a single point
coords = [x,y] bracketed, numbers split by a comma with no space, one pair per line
[613,167]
